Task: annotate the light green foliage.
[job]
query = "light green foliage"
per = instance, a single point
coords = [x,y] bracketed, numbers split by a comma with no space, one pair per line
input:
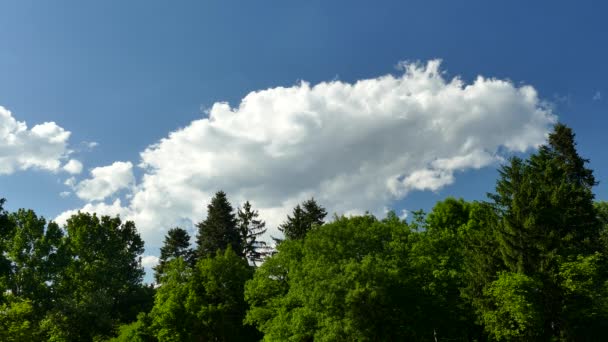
[585,295]
[346,280]
[437,257]
[17,321]
[138,331]
[516,311]
[170,319]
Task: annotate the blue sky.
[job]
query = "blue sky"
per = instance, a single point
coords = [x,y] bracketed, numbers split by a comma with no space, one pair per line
[125,74]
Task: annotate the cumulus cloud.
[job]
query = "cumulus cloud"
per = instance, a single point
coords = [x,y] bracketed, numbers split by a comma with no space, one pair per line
[354,147]
[41,147]
[73,167]
[149,261]
[105,181]
[113,209]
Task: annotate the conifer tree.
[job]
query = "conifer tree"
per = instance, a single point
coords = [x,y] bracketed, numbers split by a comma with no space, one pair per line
[176,244]
[548,233]
[303,219]
[251,228]
[219,229]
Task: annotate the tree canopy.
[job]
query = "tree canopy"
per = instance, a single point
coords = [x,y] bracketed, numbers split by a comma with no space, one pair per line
[528,264]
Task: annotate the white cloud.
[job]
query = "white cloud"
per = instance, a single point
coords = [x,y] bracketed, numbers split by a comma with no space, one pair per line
[113,209]
[73,167]
[149,261]
[105,181]
[41,147]
[64,194]
[354,147]
[597,96]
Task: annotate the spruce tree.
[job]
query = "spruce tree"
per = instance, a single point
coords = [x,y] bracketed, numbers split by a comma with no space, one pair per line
[548,231]
[176,244]
[219,229]
[303,219]
[250,229]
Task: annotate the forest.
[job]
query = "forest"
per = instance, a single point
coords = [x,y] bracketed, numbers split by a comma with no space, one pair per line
[527,264]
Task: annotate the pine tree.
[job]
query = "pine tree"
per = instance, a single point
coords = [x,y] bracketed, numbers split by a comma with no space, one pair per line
[546,205]
[548,231]
[251,228]
[303,219]
[176,244]
[314,214]
[219,229]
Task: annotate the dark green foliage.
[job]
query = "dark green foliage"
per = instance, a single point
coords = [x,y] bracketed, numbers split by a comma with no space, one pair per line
[303,219]
[6,228]
[37,256]
[547,224]
[219,229]
[251,228]
[102,275]
[204,303]
[216,298]
[177,244]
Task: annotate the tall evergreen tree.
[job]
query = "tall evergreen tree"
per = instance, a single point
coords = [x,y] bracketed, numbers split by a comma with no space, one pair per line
[176,244]
[250,229]
[547,222]
[303,219]
[219,229]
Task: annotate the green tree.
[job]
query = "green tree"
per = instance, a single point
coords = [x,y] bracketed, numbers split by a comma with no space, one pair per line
[36,256]
[6,228]
[347,280]
[547,220]
[17,321]
[216,298]
[437,256]
[176,244]
[103,274]
[170,321]
[219,229]
[303,219]
[517,309]
[204,303]
[250,229]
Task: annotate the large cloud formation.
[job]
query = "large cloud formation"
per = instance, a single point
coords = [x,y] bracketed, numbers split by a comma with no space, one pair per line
[354,147]
[43,147]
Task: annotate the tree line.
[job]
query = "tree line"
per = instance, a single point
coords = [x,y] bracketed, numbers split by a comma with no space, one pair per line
[528,264]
